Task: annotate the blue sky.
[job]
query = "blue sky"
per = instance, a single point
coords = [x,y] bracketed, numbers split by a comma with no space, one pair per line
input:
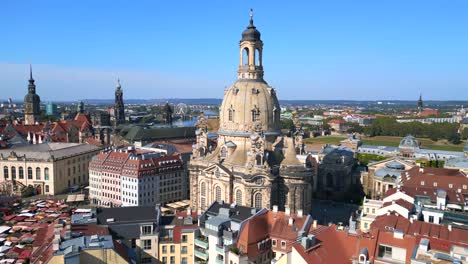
[189,49]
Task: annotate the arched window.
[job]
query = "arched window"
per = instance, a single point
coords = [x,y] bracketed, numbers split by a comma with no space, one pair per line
[218,193]
[203,189]
[239,197]
[5,172]
[259,160]
[38,173]
[231,114]
[46,174]
[203,203]
[21,173]
[255,115]
[257,57]
[30,177]
[258,200]
[13,172]
[245,56]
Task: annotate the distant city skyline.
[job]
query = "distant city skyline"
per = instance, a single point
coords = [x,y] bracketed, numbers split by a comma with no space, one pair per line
[338,50]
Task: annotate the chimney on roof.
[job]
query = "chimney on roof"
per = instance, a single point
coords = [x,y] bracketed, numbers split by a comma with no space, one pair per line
[314,224]
[288,211]
[253,211]
[299,213]
[275,208]
[290,221]
[189,211]
[449,228]
[411,220]
[421,170]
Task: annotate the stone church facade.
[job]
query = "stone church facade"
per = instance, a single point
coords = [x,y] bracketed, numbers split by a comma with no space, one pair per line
[253,164]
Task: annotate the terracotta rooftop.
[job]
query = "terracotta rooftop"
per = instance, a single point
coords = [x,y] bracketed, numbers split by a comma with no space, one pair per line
[441,178]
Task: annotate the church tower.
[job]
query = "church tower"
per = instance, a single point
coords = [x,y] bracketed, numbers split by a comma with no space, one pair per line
[253,164]
[168,114]
[32,102]
[119,110]
[420,104]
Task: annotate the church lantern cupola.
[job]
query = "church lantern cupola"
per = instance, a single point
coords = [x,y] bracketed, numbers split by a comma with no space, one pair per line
[251,47]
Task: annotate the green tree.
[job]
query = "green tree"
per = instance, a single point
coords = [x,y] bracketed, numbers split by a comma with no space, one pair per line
[464,134]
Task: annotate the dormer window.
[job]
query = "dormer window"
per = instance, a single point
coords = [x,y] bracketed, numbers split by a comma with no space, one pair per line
[255,115]
[231,114]
[435,184]
[422,183]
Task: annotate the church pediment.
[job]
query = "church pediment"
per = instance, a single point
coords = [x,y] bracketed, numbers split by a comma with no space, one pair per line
[218,170]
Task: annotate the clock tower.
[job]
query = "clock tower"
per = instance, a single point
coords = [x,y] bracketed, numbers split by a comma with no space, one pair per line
[32,102]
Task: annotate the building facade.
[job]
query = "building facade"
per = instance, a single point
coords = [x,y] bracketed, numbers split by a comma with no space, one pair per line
[253,164]
[49,168]
[382,176]
[125,177]
[409,148]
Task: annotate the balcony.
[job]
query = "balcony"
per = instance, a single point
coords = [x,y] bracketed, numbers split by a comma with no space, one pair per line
[220,249]
[201,255]
[201,242]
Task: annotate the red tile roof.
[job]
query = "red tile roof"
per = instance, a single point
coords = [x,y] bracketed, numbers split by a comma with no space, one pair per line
[254,230]
[335,246]
[441,177]
[89,230]
[400,202]
[453,195]
[389,222]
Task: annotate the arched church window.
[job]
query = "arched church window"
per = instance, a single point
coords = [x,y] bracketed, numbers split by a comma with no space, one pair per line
[275,113]
[245,56]
[239,197]
[258,200]
[257,57]
[30,173]
[5,172]
[255,115]
[203,189]
[21,173]
[258,159]
[203,203]
[13,172]
[218,193]
[46,173]
[231,114]
[38,173]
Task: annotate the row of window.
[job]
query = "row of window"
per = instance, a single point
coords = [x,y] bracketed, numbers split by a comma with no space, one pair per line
[258,199]
[13,172]
[183,260]
[450,185]
[255,114]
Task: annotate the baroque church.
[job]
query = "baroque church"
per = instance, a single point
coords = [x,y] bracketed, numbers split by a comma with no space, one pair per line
[253,164]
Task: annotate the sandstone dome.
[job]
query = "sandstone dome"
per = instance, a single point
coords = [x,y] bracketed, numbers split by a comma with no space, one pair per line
[249,105]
